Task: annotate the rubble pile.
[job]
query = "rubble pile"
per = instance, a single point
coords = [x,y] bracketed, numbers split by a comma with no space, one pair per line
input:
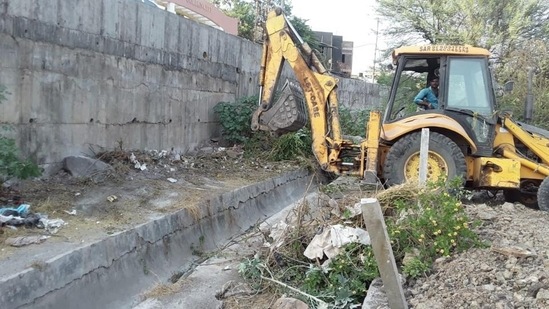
[511,272]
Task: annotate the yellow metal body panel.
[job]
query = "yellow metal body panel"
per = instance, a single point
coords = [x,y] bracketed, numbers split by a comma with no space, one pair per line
[394,130]
[496,173]
[535,143]
[370,147]
[504,139]
[464,50]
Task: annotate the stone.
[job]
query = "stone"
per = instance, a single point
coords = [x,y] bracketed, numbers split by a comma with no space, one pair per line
[289,303]
[81,166]
[376,297]
[508,206]
[543,294]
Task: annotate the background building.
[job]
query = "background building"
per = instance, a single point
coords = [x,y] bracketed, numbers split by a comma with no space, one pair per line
[201,11]
[337,54]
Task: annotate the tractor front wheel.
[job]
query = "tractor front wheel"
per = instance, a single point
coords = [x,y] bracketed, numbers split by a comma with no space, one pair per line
[445,159]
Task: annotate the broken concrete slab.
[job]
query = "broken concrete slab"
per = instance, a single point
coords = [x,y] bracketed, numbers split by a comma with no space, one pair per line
[81,166]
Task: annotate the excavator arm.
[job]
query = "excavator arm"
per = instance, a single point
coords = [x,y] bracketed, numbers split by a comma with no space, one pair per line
[283,44]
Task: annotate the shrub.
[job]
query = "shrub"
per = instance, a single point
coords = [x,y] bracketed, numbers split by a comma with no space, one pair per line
[235,118]
[292,145]
[435,227]
[353,122]
[10,163]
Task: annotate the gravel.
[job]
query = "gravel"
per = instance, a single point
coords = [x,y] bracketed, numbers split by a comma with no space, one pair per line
[511,272]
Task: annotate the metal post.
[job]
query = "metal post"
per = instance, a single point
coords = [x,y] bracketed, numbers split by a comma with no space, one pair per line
[375,53]
[423,156]
[529,108]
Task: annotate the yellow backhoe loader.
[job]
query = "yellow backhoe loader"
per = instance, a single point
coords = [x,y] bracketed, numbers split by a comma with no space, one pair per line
[468,137]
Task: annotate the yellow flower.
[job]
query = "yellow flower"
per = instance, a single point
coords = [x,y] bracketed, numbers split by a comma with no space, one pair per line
[420,240]
[455,209]
[455,233]
[465,225]
[450,234]
[457,227]
[435,243]
[442,251]
[452,241]
[458,204]
[421,236]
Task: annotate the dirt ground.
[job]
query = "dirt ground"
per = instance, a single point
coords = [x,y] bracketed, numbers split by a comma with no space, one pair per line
[105,203]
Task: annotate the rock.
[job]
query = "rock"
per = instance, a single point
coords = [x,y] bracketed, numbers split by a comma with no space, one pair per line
[508,206]
[80,166]
[513,251]
[486,213]
[543,294]
[376,297]
[289,303]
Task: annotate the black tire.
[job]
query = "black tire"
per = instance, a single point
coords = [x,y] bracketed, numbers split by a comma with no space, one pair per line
[526,195]
[543,195]
[394,169]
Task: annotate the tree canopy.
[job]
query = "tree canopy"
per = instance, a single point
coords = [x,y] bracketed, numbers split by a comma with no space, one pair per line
[252,15]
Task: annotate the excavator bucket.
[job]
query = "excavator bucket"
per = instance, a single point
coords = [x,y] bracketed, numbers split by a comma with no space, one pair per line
[287,114]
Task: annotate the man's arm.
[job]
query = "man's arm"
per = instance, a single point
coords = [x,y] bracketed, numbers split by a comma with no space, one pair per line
[420,96]
[421,99]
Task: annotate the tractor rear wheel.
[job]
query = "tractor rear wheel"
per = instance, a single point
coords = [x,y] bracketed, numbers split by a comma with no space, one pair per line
[445,159]
[543,195]
[526,195]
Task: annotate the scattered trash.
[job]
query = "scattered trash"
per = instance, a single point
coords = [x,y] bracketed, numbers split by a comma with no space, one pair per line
[52,225]
[172,180]
[72,212]
[137,164]
[20,211]
[4,219]
[112,198]
[77,194]
[26,240]
[29,220]
[331,240]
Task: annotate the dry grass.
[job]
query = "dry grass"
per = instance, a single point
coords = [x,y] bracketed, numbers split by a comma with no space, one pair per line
[53,205]
[405,191]
[162,289]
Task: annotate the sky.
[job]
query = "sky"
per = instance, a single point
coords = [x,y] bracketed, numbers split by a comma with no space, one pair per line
[355,20]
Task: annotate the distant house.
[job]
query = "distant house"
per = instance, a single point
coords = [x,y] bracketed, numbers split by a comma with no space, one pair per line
[202,11]
[337,53]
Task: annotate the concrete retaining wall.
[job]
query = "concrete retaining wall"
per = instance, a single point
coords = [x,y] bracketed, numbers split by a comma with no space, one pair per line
[111,272]
[109,73]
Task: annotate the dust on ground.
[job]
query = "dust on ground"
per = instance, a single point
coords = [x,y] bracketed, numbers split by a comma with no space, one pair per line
[125,196]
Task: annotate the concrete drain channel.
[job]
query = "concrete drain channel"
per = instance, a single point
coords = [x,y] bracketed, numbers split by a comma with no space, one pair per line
[110,273]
